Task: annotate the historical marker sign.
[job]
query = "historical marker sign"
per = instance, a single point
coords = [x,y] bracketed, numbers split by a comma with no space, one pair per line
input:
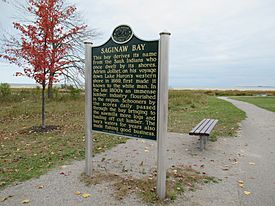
[125,85]
[126,92]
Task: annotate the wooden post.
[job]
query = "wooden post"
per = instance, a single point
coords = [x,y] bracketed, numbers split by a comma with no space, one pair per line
[163,114]
[88,108]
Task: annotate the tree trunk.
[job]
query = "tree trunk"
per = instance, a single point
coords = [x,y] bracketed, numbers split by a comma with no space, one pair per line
[50,91]
[43,107]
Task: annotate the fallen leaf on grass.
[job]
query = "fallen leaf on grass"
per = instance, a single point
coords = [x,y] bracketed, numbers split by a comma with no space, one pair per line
[251,163]
[77,193]
[40,187]
[2,183]
[26,201]
[5,198]
[86,195]
[247,193]
[235,161]
[65,174]
[241,183]
[146,150]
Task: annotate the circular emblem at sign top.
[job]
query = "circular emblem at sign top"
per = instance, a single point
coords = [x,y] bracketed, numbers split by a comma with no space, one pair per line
[122,34]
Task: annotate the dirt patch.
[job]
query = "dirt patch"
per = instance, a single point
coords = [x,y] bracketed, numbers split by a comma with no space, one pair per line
[40,129]
[179,179]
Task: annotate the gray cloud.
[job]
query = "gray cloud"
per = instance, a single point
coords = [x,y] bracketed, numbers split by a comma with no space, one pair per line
[214,43]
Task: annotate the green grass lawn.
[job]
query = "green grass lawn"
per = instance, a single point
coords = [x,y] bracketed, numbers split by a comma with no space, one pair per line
[267,103]
[188,108]
[25,154]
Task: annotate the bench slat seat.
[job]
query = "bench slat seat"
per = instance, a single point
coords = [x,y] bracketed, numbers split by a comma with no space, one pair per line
[211,127]
[203,129]
[199,127]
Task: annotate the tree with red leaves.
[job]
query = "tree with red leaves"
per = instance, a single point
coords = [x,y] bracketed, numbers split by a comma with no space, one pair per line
[47,43]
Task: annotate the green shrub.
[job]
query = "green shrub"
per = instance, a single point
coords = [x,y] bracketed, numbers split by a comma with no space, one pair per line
[5,90]
[55,92]
[184,100]
[37,92]
[74,92]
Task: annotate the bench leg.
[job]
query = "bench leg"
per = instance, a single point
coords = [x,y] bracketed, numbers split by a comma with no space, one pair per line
[205,139]
[201,143]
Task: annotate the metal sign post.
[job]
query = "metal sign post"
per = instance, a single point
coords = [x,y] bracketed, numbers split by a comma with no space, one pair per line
[88,108]
[163,114]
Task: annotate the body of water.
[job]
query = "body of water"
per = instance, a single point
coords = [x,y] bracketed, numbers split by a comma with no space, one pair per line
[242,88]
[260,88]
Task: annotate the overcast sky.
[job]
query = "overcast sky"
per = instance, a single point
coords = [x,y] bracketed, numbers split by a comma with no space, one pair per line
[214,43]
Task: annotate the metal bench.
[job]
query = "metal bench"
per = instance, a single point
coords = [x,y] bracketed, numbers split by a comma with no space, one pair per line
[203,129]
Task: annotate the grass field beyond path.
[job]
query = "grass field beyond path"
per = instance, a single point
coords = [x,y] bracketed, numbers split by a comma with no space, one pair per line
[25,153]
[188,108]
[267,103]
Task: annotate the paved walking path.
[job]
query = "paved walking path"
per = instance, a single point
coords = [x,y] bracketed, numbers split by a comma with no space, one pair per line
[249,157]
[255,166]
[257,142]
